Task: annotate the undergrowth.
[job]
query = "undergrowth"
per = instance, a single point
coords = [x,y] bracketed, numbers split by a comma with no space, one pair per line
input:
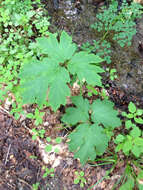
[39,67]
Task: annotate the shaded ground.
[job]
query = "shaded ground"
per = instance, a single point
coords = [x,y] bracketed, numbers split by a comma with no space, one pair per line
[19,171]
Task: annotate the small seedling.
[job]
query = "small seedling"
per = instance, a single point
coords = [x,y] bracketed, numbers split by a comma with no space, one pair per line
[38,116]
[133,141]
[17,110]
[134,114]
[38,133]
[49,147]
[93,91]
[112,73]
[80,178]
[35,186]
[33,157]
[48,172]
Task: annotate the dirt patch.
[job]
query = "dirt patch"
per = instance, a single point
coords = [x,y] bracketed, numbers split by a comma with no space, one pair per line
[18,170]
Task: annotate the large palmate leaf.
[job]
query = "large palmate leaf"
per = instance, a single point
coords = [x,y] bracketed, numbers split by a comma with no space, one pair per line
[82,65]
[79,114]
[88,141]
[61,51]
[52,72]
[37,76]
[79,63]
[103,112]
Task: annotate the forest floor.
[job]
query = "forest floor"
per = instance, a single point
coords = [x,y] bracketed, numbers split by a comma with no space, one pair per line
[19,170]
[22,159]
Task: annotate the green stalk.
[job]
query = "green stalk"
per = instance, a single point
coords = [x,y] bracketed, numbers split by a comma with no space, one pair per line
[104,177]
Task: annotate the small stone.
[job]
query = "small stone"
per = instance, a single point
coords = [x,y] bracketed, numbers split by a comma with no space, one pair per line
[7,104]
[46,124]
[69,161]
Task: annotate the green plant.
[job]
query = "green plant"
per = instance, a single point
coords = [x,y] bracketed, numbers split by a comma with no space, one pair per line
[58,60]
[131,144]
[13,52]
[130,179]
[16,109]
[35,186]
[48,172]
[134,114]
[133,141]
[16,44]
[139,180]
[113,26]
[90,139]
[38,116]
[33,157]
[102,49]
[49,147]
[80,178]
[42,23]
[119,24]
[93,91]
[44,72]
[38,133]
[113,159]
[112,73]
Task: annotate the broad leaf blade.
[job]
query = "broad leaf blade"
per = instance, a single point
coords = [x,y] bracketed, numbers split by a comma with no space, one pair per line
[34,90]
[34,82]
[136,150]
[59,90]
[60,51]
[79,114]
[48,45]
[67,48]
[104,113]
[138,120]
[135,132]
[84,57]
[45,74]
[82,64]
[88,141]
[132,107]
[58,93]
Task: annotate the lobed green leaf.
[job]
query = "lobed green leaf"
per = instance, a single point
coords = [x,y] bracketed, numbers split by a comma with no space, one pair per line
[103,113]
[79,114]
[88,141]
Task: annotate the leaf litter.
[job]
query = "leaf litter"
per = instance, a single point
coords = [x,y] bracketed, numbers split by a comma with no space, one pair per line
[22,158]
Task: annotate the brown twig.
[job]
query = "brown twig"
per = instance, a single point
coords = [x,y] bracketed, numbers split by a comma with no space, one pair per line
[7,154]
[21,180]
[2,110]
